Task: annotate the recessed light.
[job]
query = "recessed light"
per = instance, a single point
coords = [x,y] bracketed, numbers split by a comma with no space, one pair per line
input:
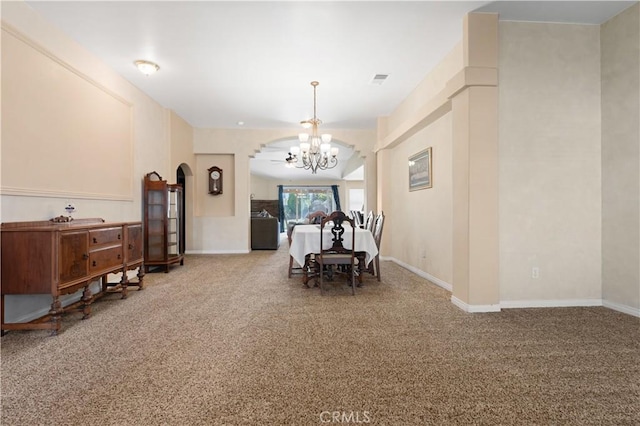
[240,123]
[146,67]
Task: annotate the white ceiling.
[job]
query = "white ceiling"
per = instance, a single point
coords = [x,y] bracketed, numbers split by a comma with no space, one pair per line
[225,62]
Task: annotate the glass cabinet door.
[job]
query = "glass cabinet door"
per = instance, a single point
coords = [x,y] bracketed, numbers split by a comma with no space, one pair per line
[155,225]
[163,210]
[174,210]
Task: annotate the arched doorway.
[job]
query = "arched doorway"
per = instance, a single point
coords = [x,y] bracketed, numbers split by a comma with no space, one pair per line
[182,180]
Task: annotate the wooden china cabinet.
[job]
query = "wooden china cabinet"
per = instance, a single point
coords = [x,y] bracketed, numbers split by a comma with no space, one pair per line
[163,215]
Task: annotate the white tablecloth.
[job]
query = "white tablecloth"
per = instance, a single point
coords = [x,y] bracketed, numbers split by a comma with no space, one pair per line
[305,240]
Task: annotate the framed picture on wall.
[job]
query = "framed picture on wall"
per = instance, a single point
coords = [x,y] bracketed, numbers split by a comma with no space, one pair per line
[420,170]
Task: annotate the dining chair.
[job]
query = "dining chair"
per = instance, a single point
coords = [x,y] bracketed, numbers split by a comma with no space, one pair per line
[316,217]
[368,225]
[313,218]
[377,236]
[337,254]
[291,267]
[356,218]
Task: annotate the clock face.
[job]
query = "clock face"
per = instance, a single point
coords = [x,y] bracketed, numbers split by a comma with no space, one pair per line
[215,174]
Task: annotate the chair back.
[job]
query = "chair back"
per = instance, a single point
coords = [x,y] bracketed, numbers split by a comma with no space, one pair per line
[370,222]
[335,221]
[356,218]
[316,217]
[377,230]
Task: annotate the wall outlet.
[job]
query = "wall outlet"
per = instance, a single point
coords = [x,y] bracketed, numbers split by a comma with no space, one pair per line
[535,272]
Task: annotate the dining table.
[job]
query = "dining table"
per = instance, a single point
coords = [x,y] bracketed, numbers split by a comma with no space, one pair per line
[305,241]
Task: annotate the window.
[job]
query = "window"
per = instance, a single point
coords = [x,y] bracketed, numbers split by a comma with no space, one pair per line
[356,199]
[299,201]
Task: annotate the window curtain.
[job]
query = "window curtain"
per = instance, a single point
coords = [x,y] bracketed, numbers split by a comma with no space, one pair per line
[281,207]
[336,196]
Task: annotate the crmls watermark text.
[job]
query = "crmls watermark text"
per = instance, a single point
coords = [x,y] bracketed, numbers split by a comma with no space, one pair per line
[345,417]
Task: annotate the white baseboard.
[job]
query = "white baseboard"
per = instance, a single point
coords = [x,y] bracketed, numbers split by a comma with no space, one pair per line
[621,308]
[217,251]
[445,285]
[561,303]
[437,281]
[474,308]
[513,304]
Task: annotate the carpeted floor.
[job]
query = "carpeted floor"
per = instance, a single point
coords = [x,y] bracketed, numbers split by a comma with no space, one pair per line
[229,340]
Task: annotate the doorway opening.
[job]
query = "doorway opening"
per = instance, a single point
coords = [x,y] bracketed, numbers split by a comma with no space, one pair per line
[182,180]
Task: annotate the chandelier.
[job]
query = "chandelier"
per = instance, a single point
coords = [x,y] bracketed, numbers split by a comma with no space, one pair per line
[314,150]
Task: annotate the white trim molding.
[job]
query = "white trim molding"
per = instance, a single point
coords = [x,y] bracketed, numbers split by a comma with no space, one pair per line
[217,251]
[562,303]
[437,281]
[474,308]
[621,308]
[514,304]
[48,193]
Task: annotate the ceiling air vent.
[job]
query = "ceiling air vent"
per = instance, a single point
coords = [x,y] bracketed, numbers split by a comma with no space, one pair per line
[378,79]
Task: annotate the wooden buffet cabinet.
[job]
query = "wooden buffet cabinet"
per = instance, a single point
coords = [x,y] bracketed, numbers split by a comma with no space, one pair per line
[46,257]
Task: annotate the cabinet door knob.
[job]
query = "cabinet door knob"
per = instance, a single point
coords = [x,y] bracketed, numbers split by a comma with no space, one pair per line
[95,240]
[93,263]
[119,237]
[85,256]
[130,246]
[119,256]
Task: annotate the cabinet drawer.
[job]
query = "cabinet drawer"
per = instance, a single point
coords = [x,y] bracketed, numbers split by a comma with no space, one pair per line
[105,258]
[105,236]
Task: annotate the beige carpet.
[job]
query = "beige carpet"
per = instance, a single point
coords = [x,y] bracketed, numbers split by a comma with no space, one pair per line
[229,340]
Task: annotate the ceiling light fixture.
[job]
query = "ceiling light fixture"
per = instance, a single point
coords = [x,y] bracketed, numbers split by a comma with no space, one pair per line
[146,67]
[315,150]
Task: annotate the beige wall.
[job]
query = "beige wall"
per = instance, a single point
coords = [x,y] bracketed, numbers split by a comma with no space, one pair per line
[181,136]
[38,87]
[455,107]
[149,143]
[421,221]
[427,94]
[620,44]
[550,162]
[222,205]
[148,147]
[544,176]
[263,188]
[418,223]
[181,142]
